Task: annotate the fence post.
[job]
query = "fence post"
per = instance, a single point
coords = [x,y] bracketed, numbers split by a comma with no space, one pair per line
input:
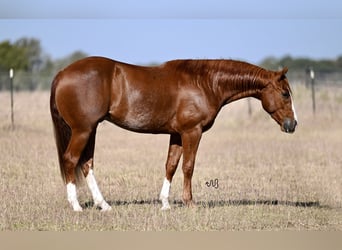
[307,77]
[11,75]
[312,76]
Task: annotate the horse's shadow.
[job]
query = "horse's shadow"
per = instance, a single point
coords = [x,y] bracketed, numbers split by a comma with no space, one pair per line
[212,203]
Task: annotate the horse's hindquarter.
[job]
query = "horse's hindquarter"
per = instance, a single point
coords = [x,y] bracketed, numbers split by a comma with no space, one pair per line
[82,91]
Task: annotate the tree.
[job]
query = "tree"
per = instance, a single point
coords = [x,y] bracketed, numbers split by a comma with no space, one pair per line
[33,68]
[12,56]
[33,52]
[24,56]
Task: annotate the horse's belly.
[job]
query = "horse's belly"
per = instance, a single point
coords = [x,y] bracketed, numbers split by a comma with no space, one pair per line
[142,111]
[140,120]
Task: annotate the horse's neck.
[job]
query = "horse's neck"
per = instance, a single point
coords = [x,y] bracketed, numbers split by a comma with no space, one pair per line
[238,85]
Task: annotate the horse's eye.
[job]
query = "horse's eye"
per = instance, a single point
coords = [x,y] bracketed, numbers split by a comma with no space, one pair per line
[286,94]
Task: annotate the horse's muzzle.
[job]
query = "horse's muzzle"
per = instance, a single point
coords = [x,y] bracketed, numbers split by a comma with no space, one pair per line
[289,125]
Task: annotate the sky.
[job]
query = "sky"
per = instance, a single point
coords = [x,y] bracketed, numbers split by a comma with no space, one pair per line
[156,31]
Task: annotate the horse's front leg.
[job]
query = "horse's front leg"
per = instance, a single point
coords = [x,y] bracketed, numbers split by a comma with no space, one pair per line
[174,154]
[190,140]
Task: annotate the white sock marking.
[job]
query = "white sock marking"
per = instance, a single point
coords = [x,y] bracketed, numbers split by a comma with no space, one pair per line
[72,197]
[96,193]
[164,194]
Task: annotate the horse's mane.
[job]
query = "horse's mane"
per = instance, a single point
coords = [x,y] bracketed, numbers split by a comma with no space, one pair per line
[235,72]
[232,71]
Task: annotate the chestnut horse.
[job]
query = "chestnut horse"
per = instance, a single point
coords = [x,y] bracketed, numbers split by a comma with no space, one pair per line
[181,98]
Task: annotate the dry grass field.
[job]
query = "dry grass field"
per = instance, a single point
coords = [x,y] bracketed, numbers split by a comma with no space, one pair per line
[268,180]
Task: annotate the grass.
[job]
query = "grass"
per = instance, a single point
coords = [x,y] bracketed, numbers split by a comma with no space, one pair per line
[268,180]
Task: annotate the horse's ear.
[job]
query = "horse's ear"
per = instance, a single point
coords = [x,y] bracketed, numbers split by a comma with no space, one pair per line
[282,73]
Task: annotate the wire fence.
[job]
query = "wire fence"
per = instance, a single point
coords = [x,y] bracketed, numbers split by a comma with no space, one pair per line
[30,81]
[26,81]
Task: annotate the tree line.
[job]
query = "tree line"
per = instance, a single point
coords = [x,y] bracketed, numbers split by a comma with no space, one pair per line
[300,64]
[34,68]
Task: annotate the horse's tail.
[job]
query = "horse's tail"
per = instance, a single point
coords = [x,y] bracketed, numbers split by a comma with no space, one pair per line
[61,129]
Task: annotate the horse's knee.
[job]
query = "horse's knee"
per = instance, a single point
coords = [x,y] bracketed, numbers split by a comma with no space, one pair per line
[188,169]
[171,169]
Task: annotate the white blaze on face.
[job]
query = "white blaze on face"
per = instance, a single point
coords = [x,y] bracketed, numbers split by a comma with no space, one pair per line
[164,194]
[72,197]
[95,191]
[293,109]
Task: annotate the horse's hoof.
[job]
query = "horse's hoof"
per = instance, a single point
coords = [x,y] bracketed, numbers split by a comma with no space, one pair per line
[190,204]
[77,209]
[104,206]
[107,209]
[164,208]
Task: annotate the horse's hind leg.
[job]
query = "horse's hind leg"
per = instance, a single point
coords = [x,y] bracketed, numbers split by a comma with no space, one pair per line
[78,141]
[87,162]
[174,154]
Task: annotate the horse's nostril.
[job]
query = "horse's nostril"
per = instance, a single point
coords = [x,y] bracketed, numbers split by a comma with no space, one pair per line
[289,125]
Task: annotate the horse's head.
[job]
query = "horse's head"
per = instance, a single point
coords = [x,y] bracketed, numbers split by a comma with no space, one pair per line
[277,100]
